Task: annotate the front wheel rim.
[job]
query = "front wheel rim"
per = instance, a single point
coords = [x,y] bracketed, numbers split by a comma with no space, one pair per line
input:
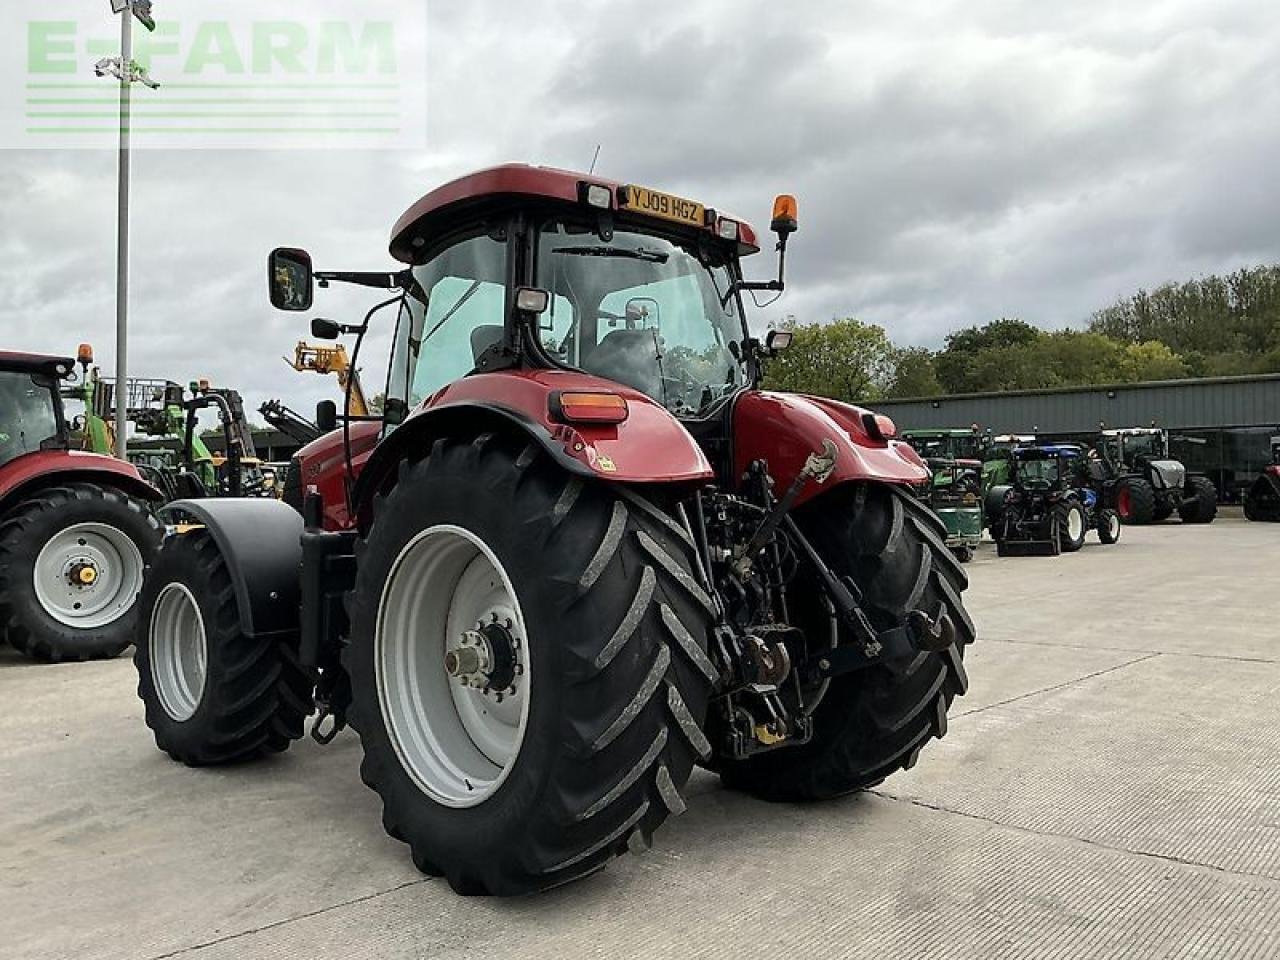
[455,734]
[88,576]
[179,651]
[1113,523]
[1075,525]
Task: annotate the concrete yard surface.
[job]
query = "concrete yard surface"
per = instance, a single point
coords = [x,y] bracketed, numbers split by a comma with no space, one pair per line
[1110,787]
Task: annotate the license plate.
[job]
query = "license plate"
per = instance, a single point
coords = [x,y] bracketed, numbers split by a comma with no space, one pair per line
[665,206]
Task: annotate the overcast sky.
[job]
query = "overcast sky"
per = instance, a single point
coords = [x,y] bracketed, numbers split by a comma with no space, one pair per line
[955,162]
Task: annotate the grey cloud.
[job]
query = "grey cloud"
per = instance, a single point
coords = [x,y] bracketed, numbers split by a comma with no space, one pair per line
[955,162]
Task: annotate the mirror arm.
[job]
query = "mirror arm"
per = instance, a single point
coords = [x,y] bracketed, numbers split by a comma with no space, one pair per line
[772,286]
[379,281]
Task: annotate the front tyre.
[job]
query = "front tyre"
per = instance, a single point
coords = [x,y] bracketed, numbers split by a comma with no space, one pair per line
[528,664]
[1203,507]
[1109,526]
[212,694]
[72,560]
[1072,526]
[873,722]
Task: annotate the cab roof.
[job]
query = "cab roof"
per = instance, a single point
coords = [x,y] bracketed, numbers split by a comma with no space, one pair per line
[1045,451]
[444,206]
[36,363]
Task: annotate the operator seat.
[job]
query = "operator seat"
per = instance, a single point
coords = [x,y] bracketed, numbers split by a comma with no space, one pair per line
[629,357]
[484,337]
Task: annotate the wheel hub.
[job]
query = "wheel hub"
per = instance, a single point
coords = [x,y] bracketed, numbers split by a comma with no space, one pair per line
[82,573]
[487,658]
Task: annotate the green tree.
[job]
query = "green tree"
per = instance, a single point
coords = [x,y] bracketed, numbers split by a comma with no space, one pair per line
[843,360]
[957,364]
[914,375]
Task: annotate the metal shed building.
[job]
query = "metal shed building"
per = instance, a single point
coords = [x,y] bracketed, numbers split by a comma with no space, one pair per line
[1221,426]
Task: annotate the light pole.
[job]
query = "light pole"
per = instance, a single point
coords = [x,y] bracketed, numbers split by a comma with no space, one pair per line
[128,72]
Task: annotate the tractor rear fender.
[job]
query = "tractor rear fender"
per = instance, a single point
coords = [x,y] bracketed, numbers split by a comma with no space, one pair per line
[650,446]
[261,542]
[51,468]
[784,429]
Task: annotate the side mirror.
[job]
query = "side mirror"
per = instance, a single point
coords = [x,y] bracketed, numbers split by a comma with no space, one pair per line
[786,216]
[394,412]
[323,329]
[644,313]
[291,279]
[326,416]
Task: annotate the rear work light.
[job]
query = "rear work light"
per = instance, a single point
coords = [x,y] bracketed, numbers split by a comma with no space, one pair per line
[588,407]
[596,195]
[879,426]
[728,229]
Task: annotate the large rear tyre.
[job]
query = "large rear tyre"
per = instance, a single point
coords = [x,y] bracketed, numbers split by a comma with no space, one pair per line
[1073,526]
[212,695]
[875,721]
[1204,506]
[528,665]
[1135,501]
[72,561]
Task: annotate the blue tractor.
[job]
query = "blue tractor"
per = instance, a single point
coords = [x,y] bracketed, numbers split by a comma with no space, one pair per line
[1054,499]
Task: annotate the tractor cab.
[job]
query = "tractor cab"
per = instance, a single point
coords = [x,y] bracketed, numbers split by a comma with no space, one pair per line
[1135,447]
[1046,468]
[31,414]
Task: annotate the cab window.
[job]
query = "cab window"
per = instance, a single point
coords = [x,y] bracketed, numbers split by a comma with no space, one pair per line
[442,339]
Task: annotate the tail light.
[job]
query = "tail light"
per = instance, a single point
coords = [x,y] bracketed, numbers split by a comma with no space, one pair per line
[569,407]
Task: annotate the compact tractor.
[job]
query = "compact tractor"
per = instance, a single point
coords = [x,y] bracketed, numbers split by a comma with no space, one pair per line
[76,528]
[1150,485]
[1049,507]
[955,491]
[1262,501]
[578,552]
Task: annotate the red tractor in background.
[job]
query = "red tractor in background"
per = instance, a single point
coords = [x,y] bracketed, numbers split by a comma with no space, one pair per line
[1262,499]
[579,553]
[76,529]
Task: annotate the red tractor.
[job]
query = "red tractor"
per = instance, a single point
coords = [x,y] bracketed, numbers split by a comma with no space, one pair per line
[76,529]
[579,553]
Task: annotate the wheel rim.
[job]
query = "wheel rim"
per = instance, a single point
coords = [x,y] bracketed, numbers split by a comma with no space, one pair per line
[1124,503]
[456,732]
[1075,524]
[1113,523]
[88,575]
[179,651]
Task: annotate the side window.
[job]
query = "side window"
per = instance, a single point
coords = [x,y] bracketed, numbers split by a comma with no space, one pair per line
[464,315]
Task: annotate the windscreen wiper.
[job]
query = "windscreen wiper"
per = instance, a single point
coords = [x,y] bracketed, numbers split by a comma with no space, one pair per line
[650,256]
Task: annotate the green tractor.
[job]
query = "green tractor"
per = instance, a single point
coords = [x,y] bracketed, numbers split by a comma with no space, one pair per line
[1262,501]
[161,409]
[997,466]
[954,492]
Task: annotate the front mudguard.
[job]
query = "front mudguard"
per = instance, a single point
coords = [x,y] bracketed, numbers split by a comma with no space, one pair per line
[261,542]
[784,429]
